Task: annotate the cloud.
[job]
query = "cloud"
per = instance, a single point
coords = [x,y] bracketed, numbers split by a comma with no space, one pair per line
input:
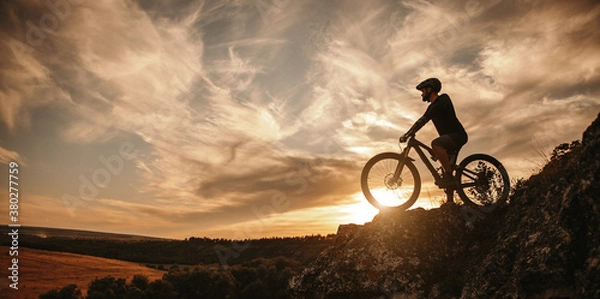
[538,71]
[25,84]
[231,104]
[7,156]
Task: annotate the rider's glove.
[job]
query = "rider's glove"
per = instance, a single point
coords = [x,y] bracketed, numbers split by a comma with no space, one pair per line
[404,138]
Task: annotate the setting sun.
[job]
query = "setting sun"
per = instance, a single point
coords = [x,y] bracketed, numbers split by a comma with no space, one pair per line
[359,212]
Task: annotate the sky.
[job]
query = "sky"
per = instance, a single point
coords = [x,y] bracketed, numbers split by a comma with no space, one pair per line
[253,118]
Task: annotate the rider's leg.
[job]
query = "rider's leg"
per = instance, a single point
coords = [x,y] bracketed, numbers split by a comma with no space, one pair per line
[440,147]
[442,156]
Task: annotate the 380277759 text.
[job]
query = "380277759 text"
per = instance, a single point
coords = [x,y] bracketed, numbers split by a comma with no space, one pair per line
[14,225]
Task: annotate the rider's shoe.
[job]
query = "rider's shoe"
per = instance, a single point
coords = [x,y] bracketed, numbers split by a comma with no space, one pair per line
[446,181]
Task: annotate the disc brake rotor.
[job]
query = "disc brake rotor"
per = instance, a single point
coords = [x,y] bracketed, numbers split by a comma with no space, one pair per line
[390,183]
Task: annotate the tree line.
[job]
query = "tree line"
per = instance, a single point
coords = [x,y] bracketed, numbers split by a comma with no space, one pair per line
[259,278]
[192,251]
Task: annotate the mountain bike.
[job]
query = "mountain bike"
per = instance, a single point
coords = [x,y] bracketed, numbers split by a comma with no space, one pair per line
[391,180]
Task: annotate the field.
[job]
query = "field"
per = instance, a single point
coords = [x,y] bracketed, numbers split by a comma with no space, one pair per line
[41,271]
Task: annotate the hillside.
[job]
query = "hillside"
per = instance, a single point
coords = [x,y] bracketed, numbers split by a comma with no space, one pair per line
[544,244]
[41,271]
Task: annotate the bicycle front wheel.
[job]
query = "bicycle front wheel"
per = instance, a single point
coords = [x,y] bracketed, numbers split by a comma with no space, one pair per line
[382,189]
[483,182]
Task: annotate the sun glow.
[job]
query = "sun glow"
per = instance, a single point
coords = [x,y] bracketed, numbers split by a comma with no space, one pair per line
[389,197]
[359,212]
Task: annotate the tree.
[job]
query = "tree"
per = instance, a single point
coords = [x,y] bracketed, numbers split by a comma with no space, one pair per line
[140,281]
[107,288]
[68,292]
[134,293]
[53,294]
[255,290]
[160,289]
[203,283]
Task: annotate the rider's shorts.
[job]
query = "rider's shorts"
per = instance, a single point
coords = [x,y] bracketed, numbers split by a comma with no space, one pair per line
[450,142]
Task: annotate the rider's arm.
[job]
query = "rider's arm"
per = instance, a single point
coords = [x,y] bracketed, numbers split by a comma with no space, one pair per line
[433,111]
[417,126]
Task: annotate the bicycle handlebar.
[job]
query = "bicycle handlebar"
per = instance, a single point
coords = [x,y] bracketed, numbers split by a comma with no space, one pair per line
[404,138]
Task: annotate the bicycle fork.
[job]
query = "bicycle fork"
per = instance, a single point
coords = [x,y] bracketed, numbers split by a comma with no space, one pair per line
[400,166]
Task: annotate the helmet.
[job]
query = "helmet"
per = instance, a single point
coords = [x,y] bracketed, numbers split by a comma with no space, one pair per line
[434,83]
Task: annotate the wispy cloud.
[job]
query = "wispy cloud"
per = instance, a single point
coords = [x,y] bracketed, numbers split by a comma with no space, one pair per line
[232,104]
[7,156]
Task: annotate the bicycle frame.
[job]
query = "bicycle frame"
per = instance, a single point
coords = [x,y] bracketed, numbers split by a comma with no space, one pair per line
[420,148]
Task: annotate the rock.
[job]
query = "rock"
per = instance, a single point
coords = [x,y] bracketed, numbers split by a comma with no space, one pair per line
[544,244]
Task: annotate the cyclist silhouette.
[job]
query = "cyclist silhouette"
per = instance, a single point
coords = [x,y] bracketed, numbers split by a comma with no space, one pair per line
[452,133]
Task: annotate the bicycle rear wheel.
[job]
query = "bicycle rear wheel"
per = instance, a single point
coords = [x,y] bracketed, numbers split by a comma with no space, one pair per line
[380,188]
[483,182]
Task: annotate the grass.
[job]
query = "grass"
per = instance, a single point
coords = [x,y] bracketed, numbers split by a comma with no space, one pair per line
[41,271]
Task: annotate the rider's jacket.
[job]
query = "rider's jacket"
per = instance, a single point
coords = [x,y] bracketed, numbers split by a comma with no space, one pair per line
[442,113]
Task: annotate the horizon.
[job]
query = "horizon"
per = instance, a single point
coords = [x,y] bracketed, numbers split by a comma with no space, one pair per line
[253,118]
[85,231]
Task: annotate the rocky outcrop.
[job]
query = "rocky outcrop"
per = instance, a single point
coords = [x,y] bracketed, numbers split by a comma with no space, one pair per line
[549,243]
[544,244]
